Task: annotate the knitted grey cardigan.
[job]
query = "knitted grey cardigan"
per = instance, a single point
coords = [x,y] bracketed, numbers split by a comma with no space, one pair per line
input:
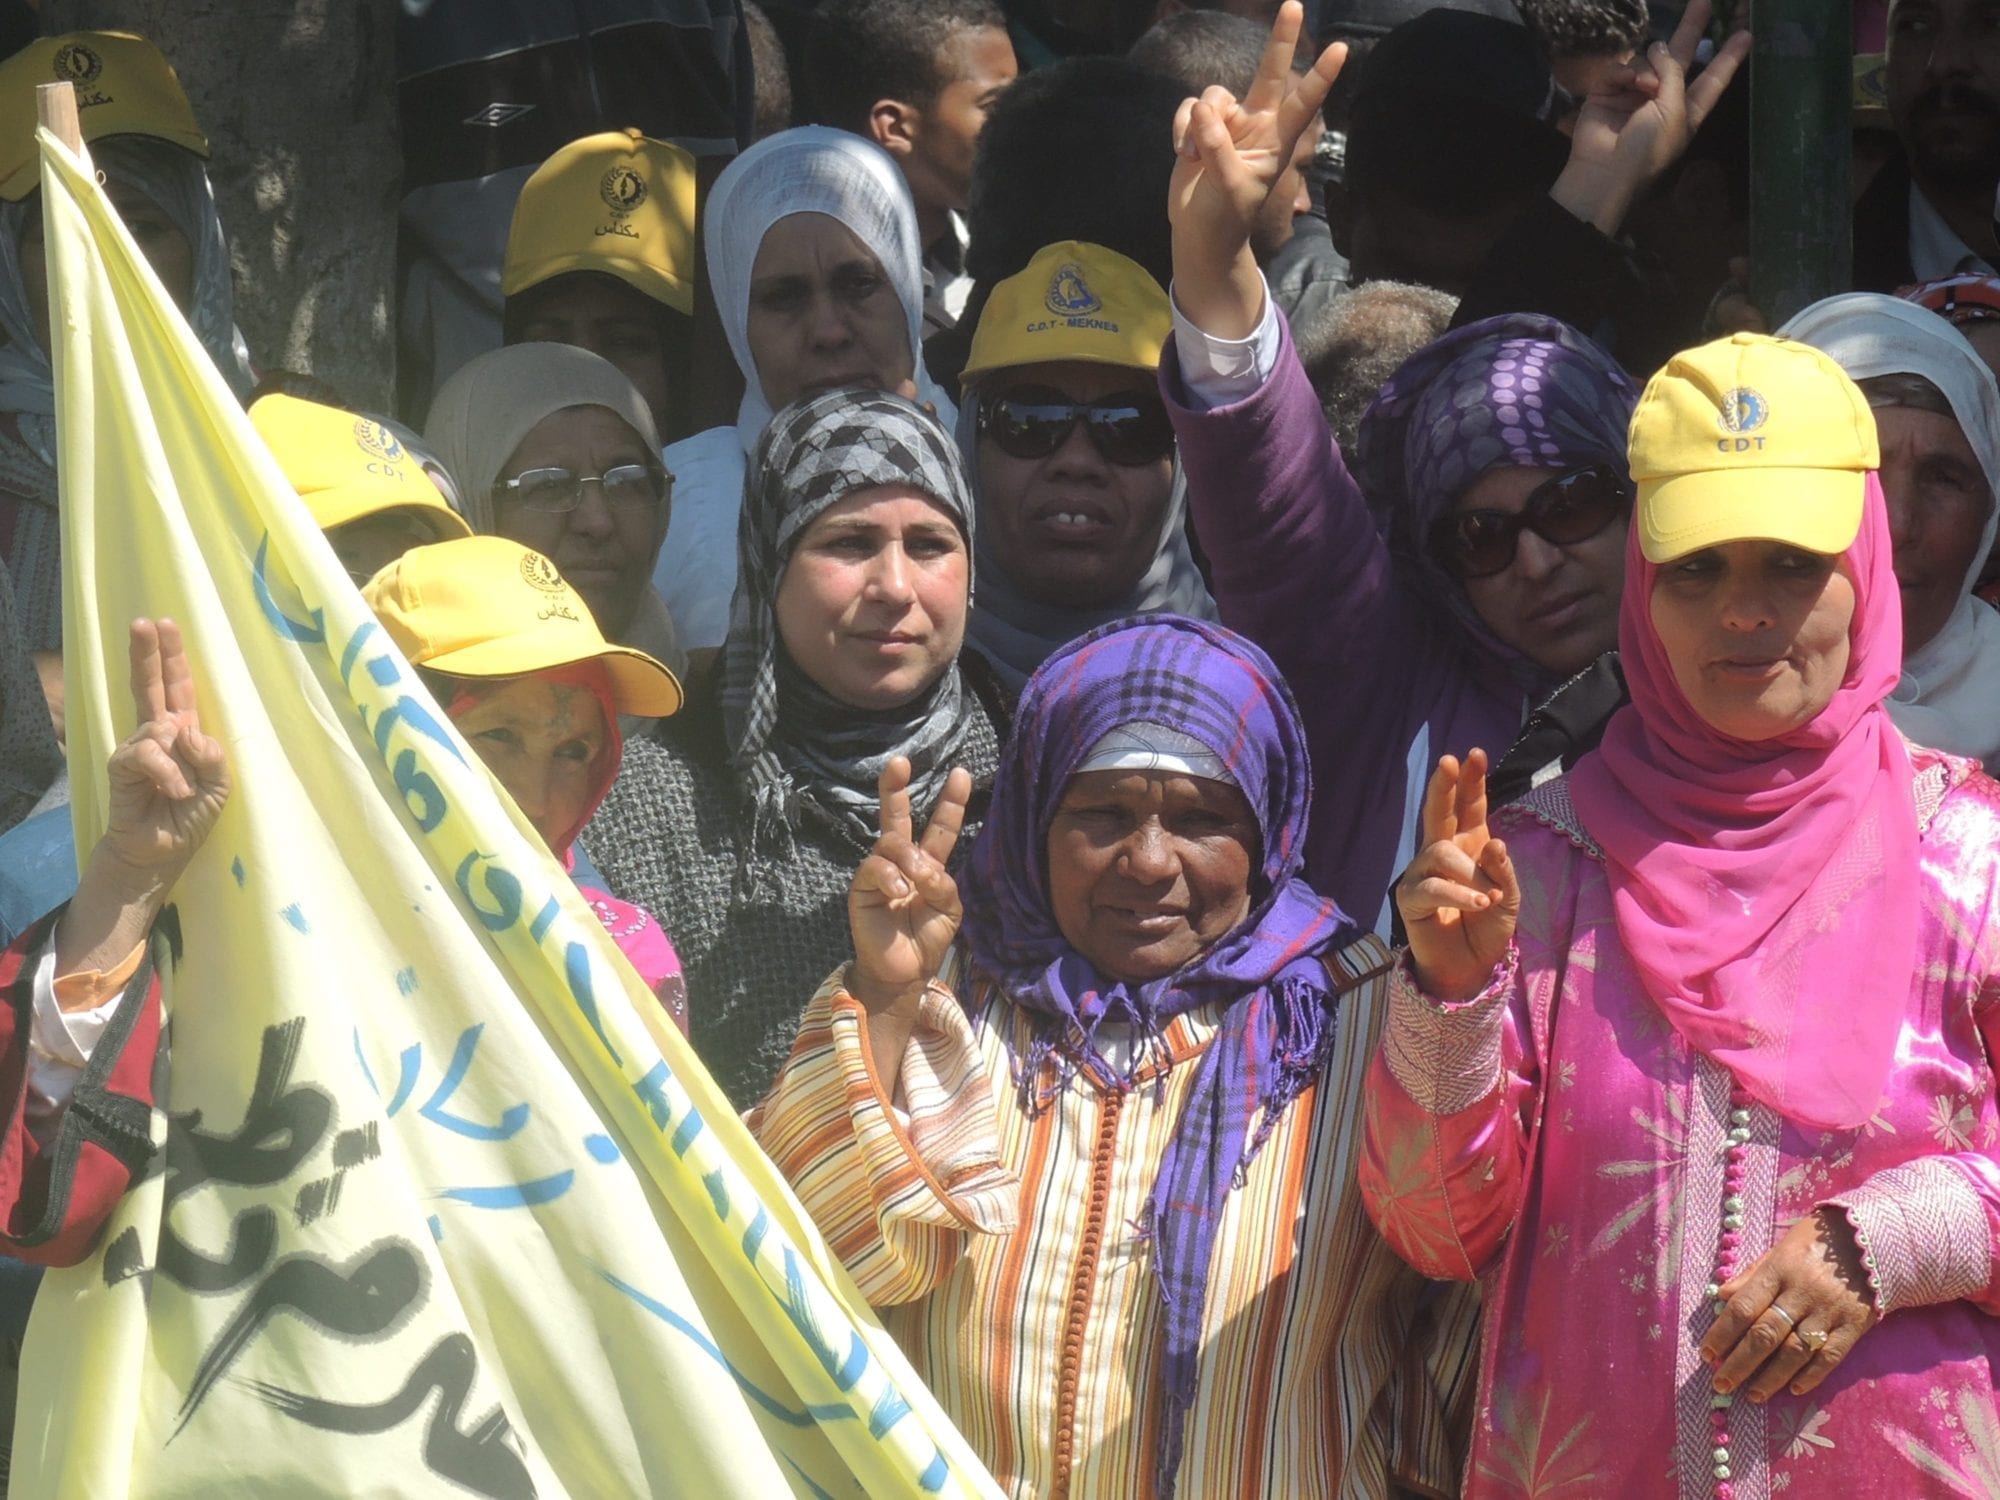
[669,838]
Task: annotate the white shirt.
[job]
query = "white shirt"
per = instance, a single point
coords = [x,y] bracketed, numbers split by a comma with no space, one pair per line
[59,1046]
[1934,249]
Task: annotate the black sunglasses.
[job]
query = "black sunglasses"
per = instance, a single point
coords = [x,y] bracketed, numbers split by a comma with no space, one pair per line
[1563,510]
[1032,422]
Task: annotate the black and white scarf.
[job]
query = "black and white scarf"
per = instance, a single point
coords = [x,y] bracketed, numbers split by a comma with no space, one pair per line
[800,751]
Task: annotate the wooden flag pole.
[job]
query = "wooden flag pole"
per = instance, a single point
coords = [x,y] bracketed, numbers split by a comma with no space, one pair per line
[55,107]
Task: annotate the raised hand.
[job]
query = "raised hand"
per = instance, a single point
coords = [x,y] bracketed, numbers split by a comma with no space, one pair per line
[903,910]
[1459,898]
[168,785]
[1640,121]
[1794,1314]
[1229,154]
[168,780]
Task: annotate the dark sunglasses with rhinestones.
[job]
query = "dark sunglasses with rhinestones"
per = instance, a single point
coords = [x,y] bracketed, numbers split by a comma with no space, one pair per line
[625,487]
[1030,421]
[1562,510]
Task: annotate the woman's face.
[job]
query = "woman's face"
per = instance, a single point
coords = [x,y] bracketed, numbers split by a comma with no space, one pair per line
[614,321]
[1557,606]
[872,603]
[166,249]
[1148,870]
[823,313]
[1757,633]
[605,549]
[1938,504]
[542,740]
[1072,528]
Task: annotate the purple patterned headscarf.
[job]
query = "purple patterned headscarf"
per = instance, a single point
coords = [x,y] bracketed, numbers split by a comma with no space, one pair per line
[1216,687]
[1517,390]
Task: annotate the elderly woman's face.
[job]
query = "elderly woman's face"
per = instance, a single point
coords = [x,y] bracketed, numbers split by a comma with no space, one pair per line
[1148,870]
[166,249]
[1556,605]
[823,313]
[1071,526]
[605,547]
[872,602]
[541,740]
[1757,633]
[1938,503]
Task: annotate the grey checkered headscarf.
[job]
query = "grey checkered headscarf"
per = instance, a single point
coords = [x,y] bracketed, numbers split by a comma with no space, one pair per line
[802,752]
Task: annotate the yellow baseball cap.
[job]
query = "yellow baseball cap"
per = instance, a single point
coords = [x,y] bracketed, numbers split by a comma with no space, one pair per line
[484,606]
[1074,301]
[124,86]
[619,203]
[1750,437]
[347,468]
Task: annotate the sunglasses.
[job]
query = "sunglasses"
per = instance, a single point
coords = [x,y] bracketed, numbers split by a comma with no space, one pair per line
[628,486]
[1032,422]
[1569,508]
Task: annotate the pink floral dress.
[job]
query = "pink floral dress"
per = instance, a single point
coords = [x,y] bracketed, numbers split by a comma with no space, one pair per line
[1555,1138]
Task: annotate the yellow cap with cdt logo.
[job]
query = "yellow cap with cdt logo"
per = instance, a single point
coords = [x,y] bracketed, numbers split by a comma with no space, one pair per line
[485,606]
[124,86]
[1750,438]
[620,203]
[348,468]
[1074,301]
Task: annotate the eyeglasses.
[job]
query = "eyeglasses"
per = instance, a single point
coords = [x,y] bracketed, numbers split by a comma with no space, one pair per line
[1569,508]
[1032,422]
[626,486]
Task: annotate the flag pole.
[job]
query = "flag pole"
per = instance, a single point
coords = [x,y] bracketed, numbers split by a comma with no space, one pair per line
[55,107]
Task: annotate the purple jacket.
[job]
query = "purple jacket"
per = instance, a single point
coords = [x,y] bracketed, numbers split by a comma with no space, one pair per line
[1383,680]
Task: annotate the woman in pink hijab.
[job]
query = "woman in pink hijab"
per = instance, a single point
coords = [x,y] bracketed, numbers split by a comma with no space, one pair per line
[1695,1070]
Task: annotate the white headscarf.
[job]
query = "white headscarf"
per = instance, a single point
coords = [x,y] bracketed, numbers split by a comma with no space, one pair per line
[812,170]
[1949,694]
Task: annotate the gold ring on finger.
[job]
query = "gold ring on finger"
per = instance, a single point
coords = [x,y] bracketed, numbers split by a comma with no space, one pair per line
[1813,1338]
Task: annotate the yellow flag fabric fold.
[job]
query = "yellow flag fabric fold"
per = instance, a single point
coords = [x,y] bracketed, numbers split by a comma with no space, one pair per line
[440,1204]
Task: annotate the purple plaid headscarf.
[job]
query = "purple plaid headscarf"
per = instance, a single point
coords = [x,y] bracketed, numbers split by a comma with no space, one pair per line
[1216,687]
[1520,390]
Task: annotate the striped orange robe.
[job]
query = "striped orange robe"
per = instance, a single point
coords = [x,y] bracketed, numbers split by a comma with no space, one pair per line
[1005,1256]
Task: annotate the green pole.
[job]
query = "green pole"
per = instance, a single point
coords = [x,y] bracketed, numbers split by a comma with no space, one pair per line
[1801,154]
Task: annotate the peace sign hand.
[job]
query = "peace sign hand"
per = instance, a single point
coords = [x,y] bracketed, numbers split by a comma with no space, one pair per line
[168,780]
[1229,153]
[1640,121]
[902,907]
[1459,898]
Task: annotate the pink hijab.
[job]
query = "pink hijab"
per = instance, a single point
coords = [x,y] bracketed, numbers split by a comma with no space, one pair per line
[1767,892]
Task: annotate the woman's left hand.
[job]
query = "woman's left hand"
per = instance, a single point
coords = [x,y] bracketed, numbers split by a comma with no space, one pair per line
[1812,1281]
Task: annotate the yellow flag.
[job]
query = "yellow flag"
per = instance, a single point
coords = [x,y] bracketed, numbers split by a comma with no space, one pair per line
[439,1205]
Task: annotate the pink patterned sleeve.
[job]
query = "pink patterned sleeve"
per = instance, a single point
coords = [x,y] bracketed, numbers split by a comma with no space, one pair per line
[1929,1229]
[1445,1138]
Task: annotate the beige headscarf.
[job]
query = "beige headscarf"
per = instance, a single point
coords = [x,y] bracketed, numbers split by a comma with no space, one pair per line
[480,415]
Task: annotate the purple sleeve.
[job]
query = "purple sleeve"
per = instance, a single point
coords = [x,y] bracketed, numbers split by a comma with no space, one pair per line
[1295,561]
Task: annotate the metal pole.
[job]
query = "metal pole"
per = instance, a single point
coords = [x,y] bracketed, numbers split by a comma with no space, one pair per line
[1801,154]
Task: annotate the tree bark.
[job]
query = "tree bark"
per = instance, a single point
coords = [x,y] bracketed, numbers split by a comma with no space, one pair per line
[298,99]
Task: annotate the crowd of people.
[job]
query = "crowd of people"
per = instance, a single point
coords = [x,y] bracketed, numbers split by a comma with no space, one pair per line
[1328,813]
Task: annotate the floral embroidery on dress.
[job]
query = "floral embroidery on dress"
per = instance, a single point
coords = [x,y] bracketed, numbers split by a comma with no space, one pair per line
[1523,1457]
[1977,1473]
[1951,1123]
[1797,1430]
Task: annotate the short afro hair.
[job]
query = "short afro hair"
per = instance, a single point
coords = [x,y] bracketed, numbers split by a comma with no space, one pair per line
[1352,346]
[861,51]
[1588,28]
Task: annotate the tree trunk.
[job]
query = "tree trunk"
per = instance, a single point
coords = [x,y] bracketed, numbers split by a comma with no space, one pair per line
[298,100]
